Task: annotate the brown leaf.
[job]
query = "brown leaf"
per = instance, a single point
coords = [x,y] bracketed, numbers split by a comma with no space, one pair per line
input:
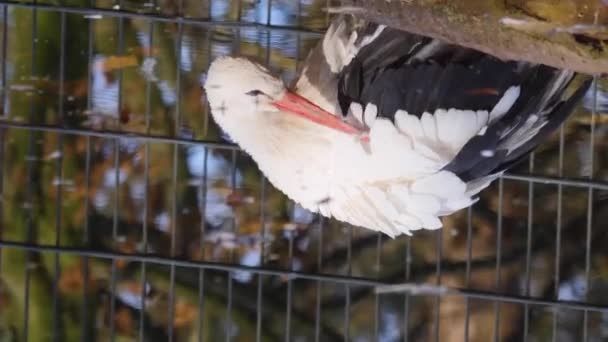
[125,325]
[71,280]
[119,62]
[184,314]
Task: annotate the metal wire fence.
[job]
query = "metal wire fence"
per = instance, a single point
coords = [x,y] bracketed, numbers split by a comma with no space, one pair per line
[126,214]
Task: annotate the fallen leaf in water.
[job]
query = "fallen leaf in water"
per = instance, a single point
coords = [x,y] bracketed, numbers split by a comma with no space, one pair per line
[5,298]
[71,280]
[79,88]
[237,198]
[184,314]
[125,325]
[125,114]
[126,247]
[112,63]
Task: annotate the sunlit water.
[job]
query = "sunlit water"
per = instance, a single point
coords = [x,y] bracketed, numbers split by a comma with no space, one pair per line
[200,199]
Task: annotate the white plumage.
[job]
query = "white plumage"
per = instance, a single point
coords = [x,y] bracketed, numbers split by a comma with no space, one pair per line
[389,171]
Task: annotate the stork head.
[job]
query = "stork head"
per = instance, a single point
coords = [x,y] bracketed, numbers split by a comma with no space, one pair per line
[239,91]
[243,94]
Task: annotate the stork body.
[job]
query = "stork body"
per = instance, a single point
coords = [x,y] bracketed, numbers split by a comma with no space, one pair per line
[385,129]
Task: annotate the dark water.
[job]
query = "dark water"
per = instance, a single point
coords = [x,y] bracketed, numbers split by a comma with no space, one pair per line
[106,146]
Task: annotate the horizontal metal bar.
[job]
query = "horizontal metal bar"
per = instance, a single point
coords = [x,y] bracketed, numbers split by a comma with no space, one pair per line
[438,290]
[119,13]
[380,287]
[573,182]
[188,263]
[117,135]
[581,183]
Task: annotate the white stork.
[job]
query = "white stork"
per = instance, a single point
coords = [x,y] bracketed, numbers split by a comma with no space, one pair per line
[386,129]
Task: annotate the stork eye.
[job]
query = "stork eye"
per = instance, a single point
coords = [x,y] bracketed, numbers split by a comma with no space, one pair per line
[255,92]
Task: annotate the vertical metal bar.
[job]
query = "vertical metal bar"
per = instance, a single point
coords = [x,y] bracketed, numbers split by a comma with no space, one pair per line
[406,304]
[318,295]
[558,230]
[498,258]
[29,198]
[228,325]
[2,130]
[349,252]
[31,159]
[529,248]
[114,239]
[590,209]
[58,186]
[289,291]
[116,184]
[85,333]
[174,226]
[262,218]
[201,272]
[4,53]
[144,228]
[258,326]
[268,47]
[208,48]
[298,38]
[143,284]
[377,296]
[239,14]
[289,282]
[2,196]
[178,50]
[207,108]
[439,236]
[84,309]
[467,274]
[268,14]
[237,41]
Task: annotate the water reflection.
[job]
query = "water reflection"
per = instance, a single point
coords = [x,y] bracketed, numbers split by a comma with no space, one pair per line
[203,203]
[104,92]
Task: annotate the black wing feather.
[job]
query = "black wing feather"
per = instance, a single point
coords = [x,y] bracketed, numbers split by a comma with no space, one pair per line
[390,73]
[470,163]
[400,70]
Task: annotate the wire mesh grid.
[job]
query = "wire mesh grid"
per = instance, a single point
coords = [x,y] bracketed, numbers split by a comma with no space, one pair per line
[127,214]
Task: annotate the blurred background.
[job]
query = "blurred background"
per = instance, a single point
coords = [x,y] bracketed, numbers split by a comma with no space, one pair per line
[126,214]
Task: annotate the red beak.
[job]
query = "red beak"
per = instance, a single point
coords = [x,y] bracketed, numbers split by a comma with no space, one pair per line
[300,106]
